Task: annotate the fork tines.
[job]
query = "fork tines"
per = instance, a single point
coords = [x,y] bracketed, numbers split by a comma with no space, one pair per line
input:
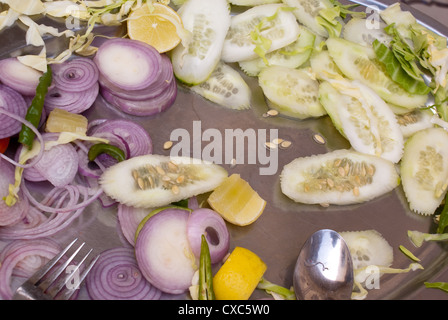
[58,279]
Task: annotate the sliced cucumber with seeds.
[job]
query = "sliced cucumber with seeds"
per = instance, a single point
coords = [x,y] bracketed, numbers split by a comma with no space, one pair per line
[259,30]
[361,31]
[368,247]
[307,11]
[292,56]
[338,177]
[152,181]
[363,118]
[226,87]
[357,62]
[323,66]
[208,21]
[292,92]
[412,122]
[424,170]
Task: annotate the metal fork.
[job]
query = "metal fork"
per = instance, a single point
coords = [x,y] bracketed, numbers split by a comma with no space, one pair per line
[48,283]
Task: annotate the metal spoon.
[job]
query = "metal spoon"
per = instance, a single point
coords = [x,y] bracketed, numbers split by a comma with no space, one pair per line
[324,268]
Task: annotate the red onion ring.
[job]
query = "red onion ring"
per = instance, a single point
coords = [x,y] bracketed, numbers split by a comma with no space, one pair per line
[129,218]
[116,276]
[18,76]
[135,136]
[148,107]
[13,102]
[163,252]
[76,75]
[212,225]
[164,80]
[128,64]
[58,210]
[74,102]
[16,252]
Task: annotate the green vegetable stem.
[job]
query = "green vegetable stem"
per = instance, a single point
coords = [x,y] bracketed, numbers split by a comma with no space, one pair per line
[34,112]
[111,150]
[205,273]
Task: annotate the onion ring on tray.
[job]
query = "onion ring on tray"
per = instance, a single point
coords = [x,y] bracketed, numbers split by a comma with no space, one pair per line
[76,75]
[116,276]
[21,250]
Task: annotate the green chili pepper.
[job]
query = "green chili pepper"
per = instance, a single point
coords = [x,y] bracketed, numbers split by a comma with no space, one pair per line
[205,273]
[109,149]
[34,112]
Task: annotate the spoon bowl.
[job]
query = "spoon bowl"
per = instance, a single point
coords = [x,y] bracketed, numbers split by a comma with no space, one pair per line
[324,268]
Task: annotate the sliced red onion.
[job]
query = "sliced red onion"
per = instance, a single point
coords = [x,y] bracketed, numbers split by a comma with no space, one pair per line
[16,252]
[212,225]
[128,64]
[58,210]
[164,80]
[10,215]
[163,252]
[18,76]
[116,276]
[76,75]
[74,102]
[129,218]
[13,102]
[136,137]
[147,107]
[59,165]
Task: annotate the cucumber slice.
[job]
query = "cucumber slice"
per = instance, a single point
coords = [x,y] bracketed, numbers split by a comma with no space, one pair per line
[424,170]
[226,87]
[306,12]
[368,247]
[292,92]
[323,66]
[152,181]
[339,177]
[208,21]
[251,3]
[412,122]
[359,30]
[363,118]
[291,56]
[357,63]
[266,28]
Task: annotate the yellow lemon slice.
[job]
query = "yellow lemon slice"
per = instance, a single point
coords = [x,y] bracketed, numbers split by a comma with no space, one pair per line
[236,201]
[155,27]
[239,275]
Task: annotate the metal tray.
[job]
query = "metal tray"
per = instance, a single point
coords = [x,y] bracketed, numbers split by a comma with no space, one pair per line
[278,235]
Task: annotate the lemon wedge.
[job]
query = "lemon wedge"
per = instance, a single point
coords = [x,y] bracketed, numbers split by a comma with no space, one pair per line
[236,201]
[239,275]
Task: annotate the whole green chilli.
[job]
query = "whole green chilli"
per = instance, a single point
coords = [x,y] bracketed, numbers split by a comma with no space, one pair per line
[34,112]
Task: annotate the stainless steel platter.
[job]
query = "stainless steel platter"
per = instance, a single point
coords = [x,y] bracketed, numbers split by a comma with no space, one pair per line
[280,232]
